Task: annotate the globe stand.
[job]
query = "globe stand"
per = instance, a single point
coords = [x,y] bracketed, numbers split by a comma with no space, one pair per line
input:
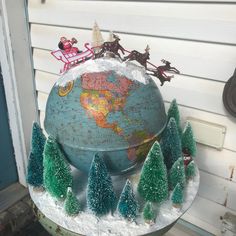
[51,215]
[54,229]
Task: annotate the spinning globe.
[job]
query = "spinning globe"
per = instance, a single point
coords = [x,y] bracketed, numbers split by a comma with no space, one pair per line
[108,107]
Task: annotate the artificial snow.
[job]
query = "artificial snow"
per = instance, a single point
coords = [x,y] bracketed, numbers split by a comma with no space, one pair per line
[127,69]
[88,224]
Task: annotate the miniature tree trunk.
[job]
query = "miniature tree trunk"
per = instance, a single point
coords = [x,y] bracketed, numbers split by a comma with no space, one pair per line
[128,205]
[35,164]
[174,112]
[57,175]
[188,142]
[191,170]
[177,196]
[148,213]
[101,198]
[171,144]
[177,174]
[71,205]
[153,184]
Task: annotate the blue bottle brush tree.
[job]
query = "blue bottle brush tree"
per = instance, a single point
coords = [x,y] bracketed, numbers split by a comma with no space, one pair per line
[128,205]
[173,111]
[171,143]
[188,141]
[101,198]
[35,162]
[57,174]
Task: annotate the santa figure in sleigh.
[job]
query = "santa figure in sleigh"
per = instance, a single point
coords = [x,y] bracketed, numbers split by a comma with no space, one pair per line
[67,45]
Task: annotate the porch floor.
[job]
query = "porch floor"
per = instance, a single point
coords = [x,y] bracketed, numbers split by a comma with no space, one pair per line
[10,195]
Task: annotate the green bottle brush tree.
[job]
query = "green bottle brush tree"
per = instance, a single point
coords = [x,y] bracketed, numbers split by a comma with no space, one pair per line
[153,184]
[57,174]
[101,198]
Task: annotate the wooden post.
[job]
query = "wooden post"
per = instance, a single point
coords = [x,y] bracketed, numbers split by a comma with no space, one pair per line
[18,77]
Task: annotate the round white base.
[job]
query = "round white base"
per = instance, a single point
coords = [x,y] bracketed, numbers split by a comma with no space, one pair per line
[88,224]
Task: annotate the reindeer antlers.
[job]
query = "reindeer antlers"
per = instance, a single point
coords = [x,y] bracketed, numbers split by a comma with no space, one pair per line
[163,60]
[115,36]
[147,48]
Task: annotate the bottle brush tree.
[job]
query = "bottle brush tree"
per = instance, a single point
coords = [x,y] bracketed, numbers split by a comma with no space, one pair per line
[153,183]
[173,111]
[177,196]
[71,205]
[101,198]
[188,141]
[190,170]
[148,213]
[57,174]
[177,174]
[171,144]
[128,205]
[35,162]
[97,39]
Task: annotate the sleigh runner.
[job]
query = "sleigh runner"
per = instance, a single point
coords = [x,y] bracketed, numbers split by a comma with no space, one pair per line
[73,57]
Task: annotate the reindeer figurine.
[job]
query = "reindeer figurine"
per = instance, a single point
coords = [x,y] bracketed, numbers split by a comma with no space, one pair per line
[139,57]
[167,67]
[113,47]
[159,72]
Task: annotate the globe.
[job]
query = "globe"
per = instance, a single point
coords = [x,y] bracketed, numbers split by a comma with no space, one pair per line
[107,107]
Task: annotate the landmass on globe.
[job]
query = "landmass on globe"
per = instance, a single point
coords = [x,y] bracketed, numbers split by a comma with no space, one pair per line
[109,107]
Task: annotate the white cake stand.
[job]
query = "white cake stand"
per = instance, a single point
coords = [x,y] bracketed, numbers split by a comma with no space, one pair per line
[53,218]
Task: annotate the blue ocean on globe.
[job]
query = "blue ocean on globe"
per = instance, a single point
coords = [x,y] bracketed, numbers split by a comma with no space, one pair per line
[108,107]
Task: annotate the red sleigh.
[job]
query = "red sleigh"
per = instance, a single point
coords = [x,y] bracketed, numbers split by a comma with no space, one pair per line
[73,58]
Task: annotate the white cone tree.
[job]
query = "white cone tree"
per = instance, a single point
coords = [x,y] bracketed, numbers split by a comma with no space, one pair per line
[97,39]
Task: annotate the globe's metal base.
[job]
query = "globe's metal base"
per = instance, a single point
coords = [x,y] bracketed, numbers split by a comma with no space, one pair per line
[55,229]
[51,227]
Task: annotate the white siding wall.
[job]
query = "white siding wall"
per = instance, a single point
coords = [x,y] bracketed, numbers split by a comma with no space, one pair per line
[199,38]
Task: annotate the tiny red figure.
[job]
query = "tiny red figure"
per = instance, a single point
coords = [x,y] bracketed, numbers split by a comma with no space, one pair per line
[187,157]
[71,56]
[67,45]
